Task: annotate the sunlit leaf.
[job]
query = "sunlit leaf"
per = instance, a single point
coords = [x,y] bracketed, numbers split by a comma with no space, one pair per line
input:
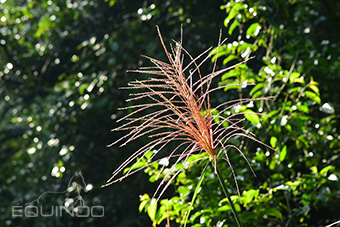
[293,76]
[283,153]
[256,88]
[252,116]
[144,200]
[314,88]
[326,169]
[249,196]
[230,58]
[273,141]
[303,108]
[253,29]
[313,96]
[152,209]
[234,25]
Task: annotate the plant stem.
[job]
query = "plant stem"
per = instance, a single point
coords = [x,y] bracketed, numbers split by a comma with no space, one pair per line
[195,194]
[225,190]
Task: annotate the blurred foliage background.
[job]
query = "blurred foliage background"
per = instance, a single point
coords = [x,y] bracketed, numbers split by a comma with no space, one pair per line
[62,62]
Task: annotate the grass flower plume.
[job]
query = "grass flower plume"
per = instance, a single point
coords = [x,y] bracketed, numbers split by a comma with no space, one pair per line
[178,109]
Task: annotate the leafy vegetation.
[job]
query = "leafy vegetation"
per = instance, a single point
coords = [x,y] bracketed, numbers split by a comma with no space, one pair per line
[296,184]
[61,63]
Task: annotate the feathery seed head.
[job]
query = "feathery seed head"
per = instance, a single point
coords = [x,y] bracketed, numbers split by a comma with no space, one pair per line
[179,102]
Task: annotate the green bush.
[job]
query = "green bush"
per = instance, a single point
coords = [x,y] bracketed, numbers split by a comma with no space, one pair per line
[297,183]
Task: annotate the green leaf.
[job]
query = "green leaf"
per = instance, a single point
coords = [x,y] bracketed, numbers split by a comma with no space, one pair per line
[252,116]
[293,76]
[283,153]
[314,169]
[144,200]
[183,191]
[112,2]
[325,170]
[313,96]
[233,85]
[148,155]
[229,74]
[273,141]
[293,185]
[273,212]
[272,164]
[233,26]
[82,88]
[314,88]
[257,94]
[256,88]
[152,209]
[224,208]
[226,22]
[195,215]
[273,113]
[223,51]
[153,178]
[294,90]
[140,162]
[299,80]
[142,205]
[195,157]
[234,12]
[253,29]
[136,165]
[303,109]
[288,108]
[229,58]
[288,127]
[215,114]
[243,108]
[248,196]
[260,156]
